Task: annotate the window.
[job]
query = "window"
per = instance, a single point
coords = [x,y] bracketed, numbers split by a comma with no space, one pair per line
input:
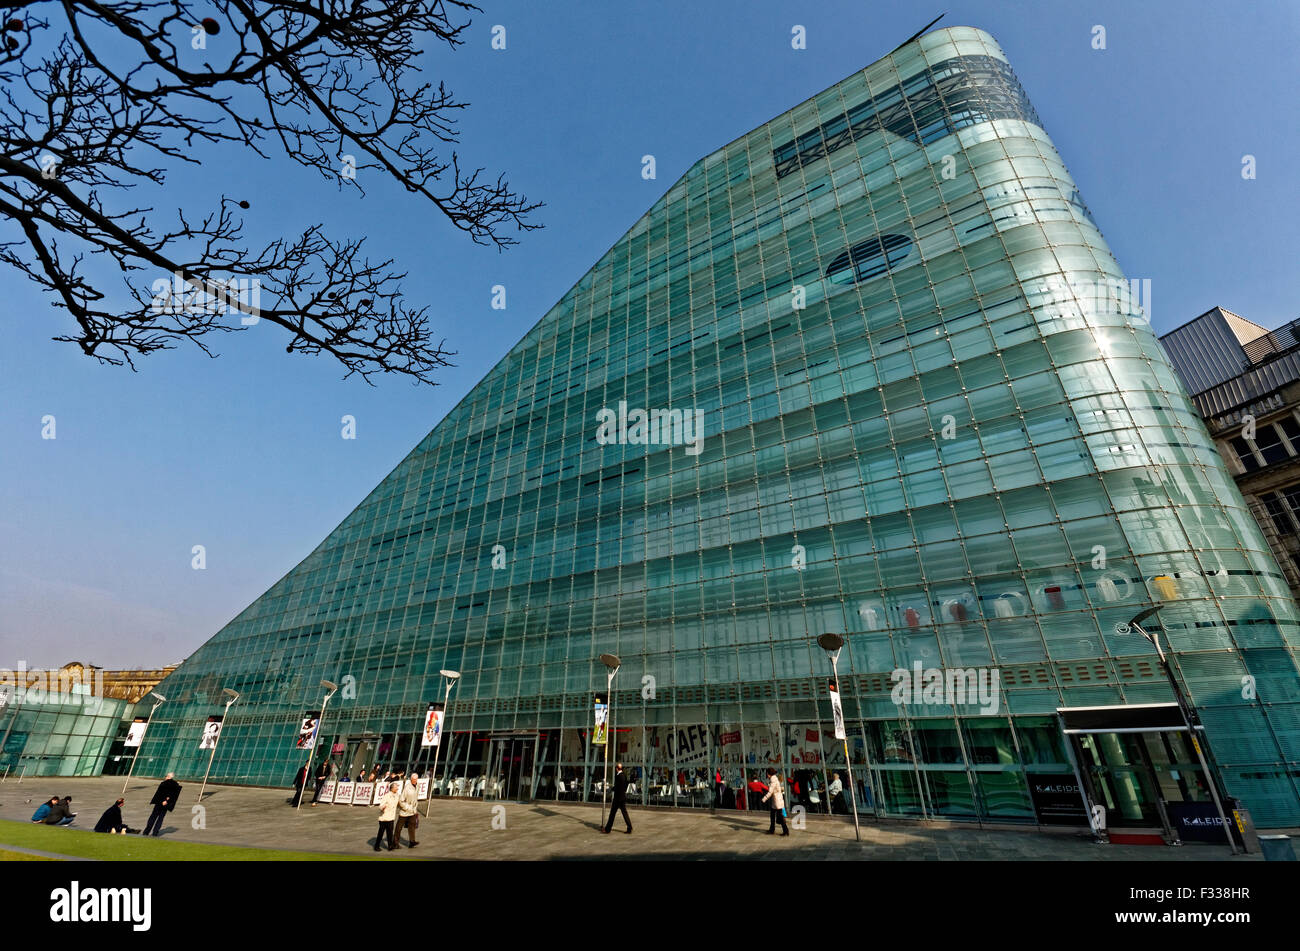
[869,258]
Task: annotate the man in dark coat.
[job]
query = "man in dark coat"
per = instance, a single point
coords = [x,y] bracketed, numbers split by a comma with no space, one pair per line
[299,782]
[322,777]
[620,801]
[111,820]
[164,801]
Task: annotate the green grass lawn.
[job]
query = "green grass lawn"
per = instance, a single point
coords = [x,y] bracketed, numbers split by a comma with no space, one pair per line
[79,843]
[7,856]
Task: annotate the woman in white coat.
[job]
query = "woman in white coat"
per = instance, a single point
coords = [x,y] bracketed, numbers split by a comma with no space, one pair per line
[776,795]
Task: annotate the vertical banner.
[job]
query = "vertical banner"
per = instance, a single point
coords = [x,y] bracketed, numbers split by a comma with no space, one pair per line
[432,734]
[211,733]
[598,736]
[837,711]
[307,732]
[135,735]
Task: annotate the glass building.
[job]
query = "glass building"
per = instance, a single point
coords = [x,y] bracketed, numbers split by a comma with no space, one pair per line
[851,374]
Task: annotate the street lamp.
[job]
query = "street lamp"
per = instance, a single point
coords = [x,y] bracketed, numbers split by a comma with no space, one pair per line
[158,701]
[451,676]
[1189,717]
[233,697]
[330,686]
[612,664]
[831,644]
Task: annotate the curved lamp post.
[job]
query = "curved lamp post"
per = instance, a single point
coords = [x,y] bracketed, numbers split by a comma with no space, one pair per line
[330,687]
[233,695]
[612,664]
[831,644]
[158,701]
[1135,626]
[451,676]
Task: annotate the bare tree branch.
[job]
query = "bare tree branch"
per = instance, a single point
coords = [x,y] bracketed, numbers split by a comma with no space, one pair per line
[101,96]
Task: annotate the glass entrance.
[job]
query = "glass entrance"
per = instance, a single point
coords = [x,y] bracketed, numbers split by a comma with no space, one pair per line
[510,768]
[1117,767]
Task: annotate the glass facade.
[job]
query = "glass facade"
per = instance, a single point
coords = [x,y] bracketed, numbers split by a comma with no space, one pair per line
[45,733]
[912,432]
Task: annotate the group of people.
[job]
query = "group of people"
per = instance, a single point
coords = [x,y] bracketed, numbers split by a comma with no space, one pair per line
[399,808]
[55,812]
[58,812]
[325,772]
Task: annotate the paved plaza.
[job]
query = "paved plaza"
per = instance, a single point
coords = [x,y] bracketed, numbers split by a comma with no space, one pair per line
[472,830]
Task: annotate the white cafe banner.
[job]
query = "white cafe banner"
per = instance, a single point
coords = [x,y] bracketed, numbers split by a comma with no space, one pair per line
[361,793]
[422,788]
[343,794]
[327,790]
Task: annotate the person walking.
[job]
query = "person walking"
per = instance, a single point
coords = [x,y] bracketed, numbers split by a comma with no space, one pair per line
[111,820]
[299,782]
[776,793]
[836,792]
[620,800]
[387,815]
[322,776]
[408,811]
[163,801]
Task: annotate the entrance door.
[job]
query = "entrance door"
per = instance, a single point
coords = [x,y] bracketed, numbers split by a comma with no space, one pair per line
[510,771]
[359,755]
[1120,774]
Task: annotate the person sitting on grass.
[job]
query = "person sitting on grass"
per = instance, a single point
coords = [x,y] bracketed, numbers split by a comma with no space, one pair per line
[111,820]
[44,810]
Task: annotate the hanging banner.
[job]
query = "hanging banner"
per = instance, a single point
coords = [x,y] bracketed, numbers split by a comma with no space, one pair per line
[432,734]
[307,732]
[598,737]
[135,735]
[343,794]
[327,790]
[837,711]
[211,733]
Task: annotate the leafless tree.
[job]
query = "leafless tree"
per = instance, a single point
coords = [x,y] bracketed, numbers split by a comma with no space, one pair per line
[100,96]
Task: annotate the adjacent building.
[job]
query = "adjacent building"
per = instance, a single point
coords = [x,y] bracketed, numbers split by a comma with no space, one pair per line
[1245,382]
[857,372]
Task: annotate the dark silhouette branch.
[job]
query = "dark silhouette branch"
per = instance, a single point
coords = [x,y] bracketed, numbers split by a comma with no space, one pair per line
[115,90]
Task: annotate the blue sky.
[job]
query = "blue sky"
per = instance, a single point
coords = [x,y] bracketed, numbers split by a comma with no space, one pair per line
[243,454]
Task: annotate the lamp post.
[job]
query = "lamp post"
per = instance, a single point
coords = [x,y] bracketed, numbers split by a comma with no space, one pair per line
[329,686]
[831,644]
[612,664]
[1189,717]
[451,676]
[233,697]
[158,701]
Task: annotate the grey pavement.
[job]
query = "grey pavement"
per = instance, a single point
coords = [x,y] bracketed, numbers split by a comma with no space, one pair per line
[472,830]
